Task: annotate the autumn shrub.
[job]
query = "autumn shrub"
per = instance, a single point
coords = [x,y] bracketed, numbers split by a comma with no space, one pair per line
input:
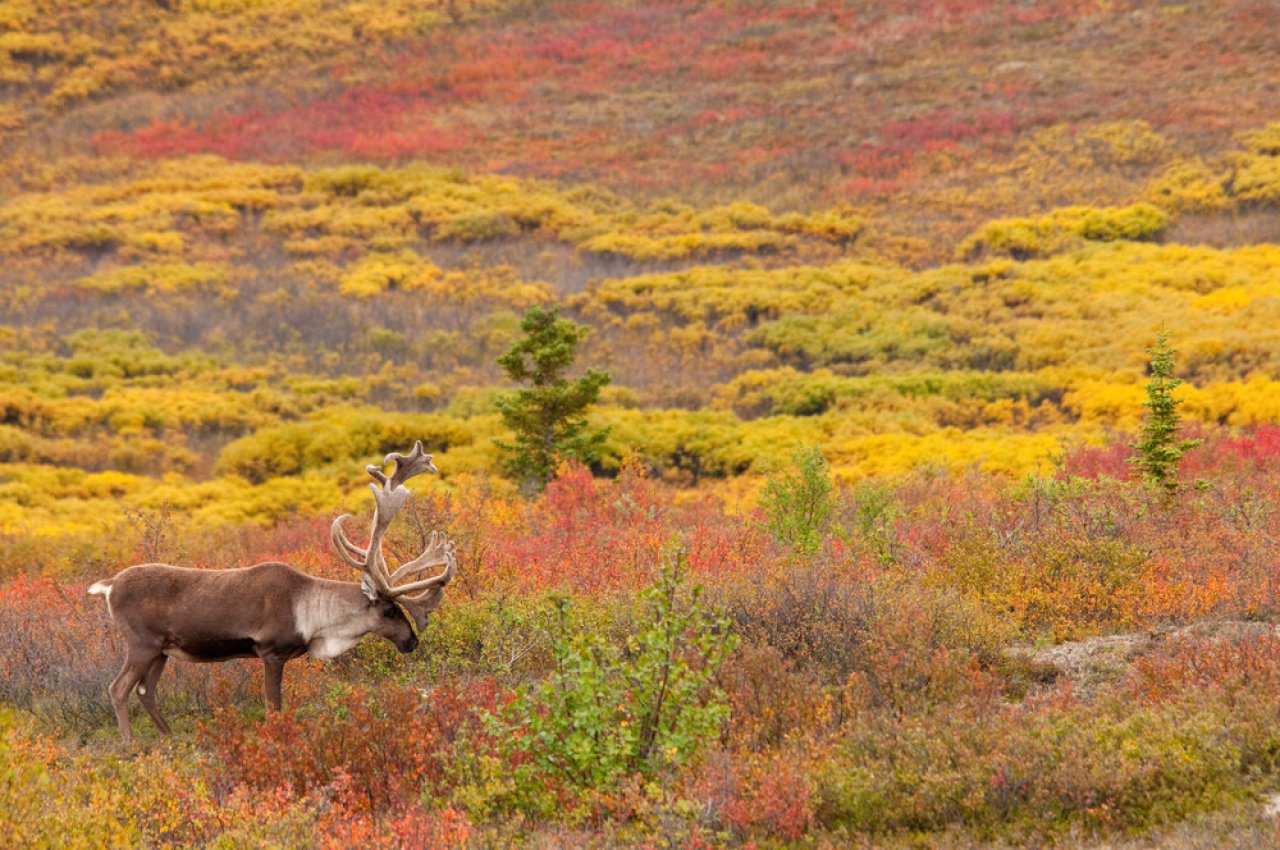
[904,641]
[808,613]
[1035,771]
[168,279]
[772,700]
[1232,663]
[922,649]
[1093,462]
[766,795]
[1258,447]
[59,654]
[72,553]
[1189,186]
[78,798]
[606,714]
[43,806]
[296,447]
[1256,171]
[1063,228]
[1072,556]
[798,504]
[586,534]
[413,826]
[1060,558]
[506,636]
[1070,584]
[375,747]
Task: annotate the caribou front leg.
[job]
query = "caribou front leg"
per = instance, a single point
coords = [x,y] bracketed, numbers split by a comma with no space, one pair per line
[273,677]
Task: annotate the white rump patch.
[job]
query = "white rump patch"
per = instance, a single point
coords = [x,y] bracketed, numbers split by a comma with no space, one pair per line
[102,589]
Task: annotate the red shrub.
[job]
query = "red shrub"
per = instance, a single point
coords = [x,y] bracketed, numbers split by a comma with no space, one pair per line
[1209,664]
[370,750]
[1093,462]
[409,828]
[760,794]
[1260,448]
[364,749]
[586,534]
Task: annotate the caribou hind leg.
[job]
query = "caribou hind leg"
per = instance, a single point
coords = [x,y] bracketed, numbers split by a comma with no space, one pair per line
[135,668]
[147,693]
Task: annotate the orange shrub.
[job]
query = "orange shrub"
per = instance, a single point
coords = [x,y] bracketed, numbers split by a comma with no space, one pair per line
[373,750]
[766,795]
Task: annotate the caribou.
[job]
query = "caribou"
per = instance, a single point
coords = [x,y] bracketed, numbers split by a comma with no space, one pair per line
[270,610]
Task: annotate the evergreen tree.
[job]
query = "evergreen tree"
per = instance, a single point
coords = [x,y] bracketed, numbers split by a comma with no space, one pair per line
[547,415]
[1159,451]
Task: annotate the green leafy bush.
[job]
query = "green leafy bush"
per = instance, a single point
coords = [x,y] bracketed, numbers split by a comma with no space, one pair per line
[799,504]
[607,713]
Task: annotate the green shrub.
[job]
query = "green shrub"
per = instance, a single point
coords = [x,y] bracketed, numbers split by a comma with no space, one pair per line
[798,504]
[608,713]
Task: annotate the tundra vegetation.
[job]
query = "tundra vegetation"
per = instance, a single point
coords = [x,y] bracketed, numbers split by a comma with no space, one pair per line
[889,528]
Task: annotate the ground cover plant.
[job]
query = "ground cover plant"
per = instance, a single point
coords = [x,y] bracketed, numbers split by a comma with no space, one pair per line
[858,426]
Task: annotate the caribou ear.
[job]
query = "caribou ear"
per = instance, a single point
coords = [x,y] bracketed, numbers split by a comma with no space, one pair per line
[420,609]
[367,588]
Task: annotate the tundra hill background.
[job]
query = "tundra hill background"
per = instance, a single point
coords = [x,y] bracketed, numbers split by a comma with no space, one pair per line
[875,284]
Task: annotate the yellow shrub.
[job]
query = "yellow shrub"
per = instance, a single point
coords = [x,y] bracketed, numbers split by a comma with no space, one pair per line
[1188,186]
[376,273]
[1256,179]
[156,278]
[46,804]
[1022,238]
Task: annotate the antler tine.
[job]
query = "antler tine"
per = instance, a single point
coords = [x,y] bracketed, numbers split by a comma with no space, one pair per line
[386,504]
[389,496]
[358,558]
[407,466]
[436,554]
[427,585]
[342,543]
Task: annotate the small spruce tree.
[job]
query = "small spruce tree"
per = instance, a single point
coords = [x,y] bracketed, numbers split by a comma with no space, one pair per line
[1158,452]
[547,415]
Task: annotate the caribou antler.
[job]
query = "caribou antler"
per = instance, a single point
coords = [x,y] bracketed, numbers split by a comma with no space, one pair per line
[388,499]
